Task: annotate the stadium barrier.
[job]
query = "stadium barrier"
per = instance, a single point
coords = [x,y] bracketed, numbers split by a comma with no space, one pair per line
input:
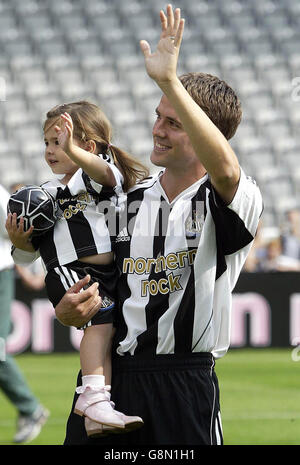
[265,313]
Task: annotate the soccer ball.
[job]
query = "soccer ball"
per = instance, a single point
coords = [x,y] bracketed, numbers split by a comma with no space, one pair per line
[36,206]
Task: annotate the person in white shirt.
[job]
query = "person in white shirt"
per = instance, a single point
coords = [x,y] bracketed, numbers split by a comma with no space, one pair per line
[31,414]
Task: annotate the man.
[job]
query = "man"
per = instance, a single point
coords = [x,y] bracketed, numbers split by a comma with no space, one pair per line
[182,240]
[31,415]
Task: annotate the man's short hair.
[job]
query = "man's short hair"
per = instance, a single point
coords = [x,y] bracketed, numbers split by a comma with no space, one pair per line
[217,99]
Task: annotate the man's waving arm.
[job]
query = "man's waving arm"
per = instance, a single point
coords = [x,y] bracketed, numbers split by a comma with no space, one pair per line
[210,145]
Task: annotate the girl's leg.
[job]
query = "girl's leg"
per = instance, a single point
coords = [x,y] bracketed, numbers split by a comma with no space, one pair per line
[95,348]
[107,363]
[94,400]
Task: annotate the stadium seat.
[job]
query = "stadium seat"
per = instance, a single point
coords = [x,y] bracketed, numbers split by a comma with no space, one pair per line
[56,51]
[43,104]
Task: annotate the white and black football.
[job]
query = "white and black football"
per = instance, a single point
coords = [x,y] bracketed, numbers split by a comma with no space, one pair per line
[36,206]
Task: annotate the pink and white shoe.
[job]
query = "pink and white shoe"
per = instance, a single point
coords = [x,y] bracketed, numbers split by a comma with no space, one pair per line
[131,422]
[97,430]
[94,429]
[95,404]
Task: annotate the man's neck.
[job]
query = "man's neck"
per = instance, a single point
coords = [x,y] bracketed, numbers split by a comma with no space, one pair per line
[175,183]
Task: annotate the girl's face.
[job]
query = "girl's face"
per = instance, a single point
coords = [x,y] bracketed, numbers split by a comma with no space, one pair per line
[56,158]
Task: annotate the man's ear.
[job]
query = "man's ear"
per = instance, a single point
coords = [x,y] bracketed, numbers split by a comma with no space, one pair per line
[90,146]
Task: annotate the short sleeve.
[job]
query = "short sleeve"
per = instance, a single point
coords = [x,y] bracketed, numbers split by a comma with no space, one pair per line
[21,257]
[236,223]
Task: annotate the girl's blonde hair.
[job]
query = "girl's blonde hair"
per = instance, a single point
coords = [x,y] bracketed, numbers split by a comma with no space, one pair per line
[90,123]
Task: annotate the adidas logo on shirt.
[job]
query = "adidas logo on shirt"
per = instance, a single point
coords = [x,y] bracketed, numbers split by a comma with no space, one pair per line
[123,235]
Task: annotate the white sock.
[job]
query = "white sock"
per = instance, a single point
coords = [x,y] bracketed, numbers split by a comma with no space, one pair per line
[97,381]
[93,380]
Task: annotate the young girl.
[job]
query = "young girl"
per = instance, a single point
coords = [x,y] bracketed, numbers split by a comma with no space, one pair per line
[80,242]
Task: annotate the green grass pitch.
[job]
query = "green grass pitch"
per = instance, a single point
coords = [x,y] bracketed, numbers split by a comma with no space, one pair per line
[260,396]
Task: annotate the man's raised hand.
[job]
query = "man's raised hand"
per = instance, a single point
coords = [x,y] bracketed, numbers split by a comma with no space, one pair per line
[161,65]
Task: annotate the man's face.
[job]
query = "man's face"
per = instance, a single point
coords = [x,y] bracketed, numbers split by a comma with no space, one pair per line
[172,146]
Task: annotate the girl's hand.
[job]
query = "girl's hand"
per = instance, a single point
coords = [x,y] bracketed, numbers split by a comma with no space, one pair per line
[162,64]
[65,133]
[19,238]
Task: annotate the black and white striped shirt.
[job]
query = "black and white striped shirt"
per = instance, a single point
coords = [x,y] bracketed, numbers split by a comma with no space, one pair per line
[81,229]
[179,263]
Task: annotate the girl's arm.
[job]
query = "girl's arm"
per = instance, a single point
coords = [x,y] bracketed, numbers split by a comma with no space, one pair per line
[96,168]
[19,238]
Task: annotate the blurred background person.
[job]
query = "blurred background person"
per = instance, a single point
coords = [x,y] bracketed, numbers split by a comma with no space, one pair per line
[31,277]
[31,414]
[291,234]
[258,252]
[278,251]
[276,260]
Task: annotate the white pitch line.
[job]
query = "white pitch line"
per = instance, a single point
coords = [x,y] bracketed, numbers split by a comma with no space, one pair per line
[261,416]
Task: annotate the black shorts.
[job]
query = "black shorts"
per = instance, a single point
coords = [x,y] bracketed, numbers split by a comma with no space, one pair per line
[176,395]
[61,278]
